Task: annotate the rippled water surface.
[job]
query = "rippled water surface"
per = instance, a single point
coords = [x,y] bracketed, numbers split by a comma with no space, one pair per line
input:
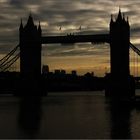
[68,115]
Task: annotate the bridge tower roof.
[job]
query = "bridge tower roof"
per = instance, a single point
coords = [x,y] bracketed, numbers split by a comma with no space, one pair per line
[30,22]
[39,27]
[119,18]
[111,21]
[21,26]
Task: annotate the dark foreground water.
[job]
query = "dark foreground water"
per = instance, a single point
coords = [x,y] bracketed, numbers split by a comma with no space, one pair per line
[75,115]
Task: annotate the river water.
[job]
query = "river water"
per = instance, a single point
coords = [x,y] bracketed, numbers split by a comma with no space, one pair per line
[70,115]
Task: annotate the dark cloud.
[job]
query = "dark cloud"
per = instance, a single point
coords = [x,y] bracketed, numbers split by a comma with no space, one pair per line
[23,3]
[92,15]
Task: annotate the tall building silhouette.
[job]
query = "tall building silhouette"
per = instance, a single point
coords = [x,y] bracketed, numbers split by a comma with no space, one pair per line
[30,49]
[120,83]
[119,46]
[30,52]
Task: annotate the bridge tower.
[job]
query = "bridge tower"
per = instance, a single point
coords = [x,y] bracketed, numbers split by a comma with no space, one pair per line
[30,54]
[119,46]
[121,83]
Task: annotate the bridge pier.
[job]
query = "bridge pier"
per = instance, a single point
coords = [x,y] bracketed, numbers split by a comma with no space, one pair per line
[120,89]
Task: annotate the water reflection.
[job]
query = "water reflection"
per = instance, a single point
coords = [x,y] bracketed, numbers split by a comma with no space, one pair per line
[120,120]
[30,116]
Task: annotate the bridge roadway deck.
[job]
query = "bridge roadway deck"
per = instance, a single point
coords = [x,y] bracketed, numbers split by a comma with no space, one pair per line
[99,38]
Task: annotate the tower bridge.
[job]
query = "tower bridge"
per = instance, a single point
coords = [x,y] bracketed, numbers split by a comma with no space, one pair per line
[118,83]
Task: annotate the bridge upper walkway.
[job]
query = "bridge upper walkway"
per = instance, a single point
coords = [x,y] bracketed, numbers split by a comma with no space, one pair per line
[98,38]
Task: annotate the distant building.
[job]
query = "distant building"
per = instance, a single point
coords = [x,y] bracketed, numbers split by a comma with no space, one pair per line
[45,69]
[88,74]
[74,72]
[63,72]
[57,71]
[92,73]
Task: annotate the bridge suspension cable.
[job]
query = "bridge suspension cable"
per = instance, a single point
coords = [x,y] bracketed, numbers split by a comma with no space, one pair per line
[8,60]
[9,63]
[136,59]
[135,49]
[7,57]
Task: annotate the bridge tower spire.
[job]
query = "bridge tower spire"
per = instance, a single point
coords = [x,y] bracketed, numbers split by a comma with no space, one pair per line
[119,51]
[30,53]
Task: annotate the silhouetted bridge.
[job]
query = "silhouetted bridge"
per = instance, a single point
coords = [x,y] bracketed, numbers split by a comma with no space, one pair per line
[31,40]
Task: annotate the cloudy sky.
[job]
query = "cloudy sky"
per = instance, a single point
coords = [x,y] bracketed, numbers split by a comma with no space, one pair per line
[92,15]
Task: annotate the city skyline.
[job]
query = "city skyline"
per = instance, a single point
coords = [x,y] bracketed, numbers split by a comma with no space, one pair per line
[78,17]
